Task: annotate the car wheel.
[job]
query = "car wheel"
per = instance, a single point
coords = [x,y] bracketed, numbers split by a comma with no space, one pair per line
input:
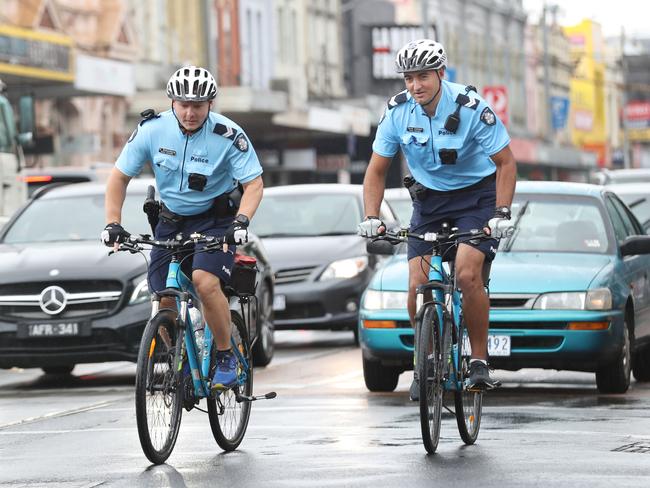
[379,377]
[265,345]
[58,370]
[641,364]
[615,376]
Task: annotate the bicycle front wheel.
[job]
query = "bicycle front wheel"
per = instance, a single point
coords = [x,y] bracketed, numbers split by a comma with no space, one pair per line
[158,396]
[429,367]
[469,403]
[228,417]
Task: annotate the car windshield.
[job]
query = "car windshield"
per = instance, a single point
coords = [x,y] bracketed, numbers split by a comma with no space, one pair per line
[551,223]
[307,215]
[403,207]
[77,218]
[640,206]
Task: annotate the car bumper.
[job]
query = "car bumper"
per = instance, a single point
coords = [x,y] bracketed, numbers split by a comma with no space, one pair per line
[113,338]
[332,304]
[539,339]
[391,346]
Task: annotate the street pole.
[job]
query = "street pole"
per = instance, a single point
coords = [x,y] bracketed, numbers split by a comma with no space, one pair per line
[547,83]
[626,141]
[425,18]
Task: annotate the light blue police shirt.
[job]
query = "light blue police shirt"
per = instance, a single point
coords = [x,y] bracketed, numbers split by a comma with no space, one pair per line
[406,126]
[220,151]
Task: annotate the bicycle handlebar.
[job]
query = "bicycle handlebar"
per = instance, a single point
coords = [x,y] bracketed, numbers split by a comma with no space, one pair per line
[134,243]
[437,237]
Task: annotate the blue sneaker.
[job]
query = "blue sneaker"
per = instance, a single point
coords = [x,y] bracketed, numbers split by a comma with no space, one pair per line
[225,376]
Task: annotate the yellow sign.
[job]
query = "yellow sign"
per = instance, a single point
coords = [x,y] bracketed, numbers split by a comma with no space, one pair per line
[639,135]
[34,54]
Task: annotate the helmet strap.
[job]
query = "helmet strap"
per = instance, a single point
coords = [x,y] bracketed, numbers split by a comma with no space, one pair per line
[182,127]
[439,88]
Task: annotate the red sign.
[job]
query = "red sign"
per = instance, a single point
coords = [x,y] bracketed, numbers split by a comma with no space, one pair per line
[497,97]
[637,111]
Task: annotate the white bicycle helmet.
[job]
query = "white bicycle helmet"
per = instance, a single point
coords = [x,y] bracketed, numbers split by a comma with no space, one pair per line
[421,55]
[192,84]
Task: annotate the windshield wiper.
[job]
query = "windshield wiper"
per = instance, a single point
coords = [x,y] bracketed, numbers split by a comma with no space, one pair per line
[283,234]
[336,233]
[515,228]
[637,202]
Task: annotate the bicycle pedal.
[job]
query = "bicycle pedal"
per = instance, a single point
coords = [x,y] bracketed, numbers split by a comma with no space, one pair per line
[246,398]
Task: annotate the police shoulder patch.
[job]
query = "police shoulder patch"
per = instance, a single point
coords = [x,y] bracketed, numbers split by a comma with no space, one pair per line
[241,143]
[397,99]
[488,117]
[225,131]
[135,133]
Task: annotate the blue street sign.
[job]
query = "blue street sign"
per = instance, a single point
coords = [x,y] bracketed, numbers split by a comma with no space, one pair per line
[559,112]
[450,74]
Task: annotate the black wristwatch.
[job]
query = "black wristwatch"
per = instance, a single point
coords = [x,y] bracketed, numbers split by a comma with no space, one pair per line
[503,212]
[242,219]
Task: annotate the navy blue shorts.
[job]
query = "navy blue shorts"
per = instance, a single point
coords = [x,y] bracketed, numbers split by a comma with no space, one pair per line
[218,263]
[466,210]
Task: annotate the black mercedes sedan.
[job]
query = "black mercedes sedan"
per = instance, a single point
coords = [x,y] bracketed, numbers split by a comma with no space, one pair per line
[321,265]
[65,301]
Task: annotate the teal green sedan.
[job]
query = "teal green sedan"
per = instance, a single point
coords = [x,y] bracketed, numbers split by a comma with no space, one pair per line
[569,290]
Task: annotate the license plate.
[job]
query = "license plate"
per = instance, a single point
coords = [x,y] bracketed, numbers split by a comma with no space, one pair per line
[50,329]
[498,345]
[279,303]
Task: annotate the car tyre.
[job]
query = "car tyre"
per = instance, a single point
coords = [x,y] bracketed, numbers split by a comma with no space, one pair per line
[641,364]
[615,376]
[58,370]
[265,344]
[379,377]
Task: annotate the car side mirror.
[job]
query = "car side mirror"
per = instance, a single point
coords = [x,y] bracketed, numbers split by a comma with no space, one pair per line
[635,245]
[380,247]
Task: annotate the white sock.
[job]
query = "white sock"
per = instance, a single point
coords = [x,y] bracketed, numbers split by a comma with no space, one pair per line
[479,360]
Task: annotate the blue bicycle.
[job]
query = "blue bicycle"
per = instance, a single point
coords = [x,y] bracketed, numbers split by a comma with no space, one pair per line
[441,360]
[177,360]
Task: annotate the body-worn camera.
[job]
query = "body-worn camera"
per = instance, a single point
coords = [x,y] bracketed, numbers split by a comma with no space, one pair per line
[416,190]
[197,181]
[448,156]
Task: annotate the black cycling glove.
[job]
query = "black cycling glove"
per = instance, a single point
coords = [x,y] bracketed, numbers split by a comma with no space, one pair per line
[114,233]
[237,233]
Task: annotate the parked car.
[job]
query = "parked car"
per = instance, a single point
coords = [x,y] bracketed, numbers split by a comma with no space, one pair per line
[567,292]
[637,197]
[64,301]
[627,175]
[321,264]
[39,177]
[400,201]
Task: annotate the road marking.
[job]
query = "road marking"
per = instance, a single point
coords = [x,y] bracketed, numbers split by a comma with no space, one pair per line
[62,413]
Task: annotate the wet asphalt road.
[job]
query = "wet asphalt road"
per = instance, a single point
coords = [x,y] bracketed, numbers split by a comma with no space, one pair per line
[325,429]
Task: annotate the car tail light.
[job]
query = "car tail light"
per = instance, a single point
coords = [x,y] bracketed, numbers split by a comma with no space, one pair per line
[37,179]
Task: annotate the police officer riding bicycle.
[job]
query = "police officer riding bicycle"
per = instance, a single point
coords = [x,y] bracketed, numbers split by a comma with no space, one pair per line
[198,158]
[463,172]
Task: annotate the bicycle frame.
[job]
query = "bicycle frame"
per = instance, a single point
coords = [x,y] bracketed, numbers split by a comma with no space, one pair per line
[180,286]
[448,303]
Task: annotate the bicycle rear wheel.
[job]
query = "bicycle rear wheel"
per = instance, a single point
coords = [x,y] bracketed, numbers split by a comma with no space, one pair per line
[469,404]
[158,396]
[228,417]
[429,366]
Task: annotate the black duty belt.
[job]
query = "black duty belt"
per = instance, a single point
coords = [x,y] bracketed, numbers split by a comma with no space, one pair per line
[487,181]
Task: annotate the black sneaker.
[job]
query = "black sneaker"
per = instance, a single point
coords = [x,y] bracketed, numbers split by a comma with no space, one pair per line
[479,376]
[414,391]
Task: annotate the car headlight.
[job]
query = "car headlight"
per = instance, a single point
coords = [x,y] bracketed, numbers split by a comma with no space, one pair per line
[598,299]
[140,290]
[344,268]
[384,300]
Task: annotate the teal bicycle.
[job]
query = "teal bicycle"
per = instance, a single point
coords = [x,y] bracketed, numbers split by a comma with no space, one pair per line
[441,360]
[177,357]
